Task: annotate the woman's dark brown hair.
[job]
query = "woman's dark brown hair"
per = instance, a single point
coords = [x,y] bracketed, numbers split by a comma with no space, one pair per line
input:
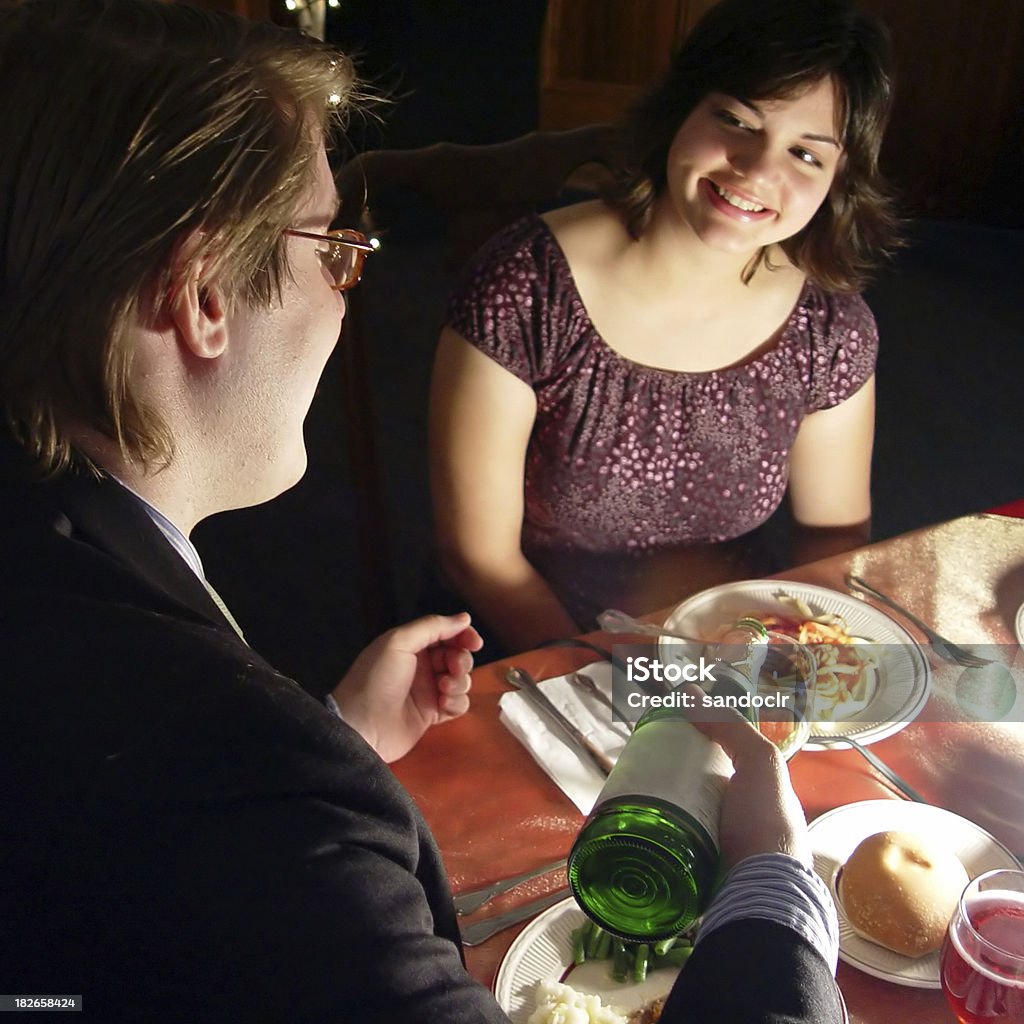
[772,49]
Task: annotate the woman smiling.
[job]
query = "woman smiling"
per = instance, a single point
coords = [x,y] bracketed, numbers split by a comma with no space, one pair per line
[627,388]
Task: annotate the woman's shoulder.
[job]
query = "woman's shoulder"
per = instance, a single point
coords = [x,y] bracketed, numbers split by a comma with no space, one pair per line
[811,304]
[577,218]
[524,250]
[518,239]
[586,232]
[835,311]
[532,256]
[517,301]
[838,337]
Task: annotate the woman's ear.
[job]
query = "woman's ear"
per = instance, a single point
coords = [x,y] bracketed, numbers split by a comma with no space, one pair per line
[196,306]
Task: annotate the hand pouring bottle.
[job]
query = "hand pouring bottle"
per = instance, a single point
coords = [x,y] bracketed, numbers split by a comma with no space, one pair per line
[645,863]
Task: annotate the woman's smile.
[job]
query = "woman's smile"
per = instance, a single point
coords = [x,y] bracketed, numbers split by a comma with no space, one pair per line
[734,203]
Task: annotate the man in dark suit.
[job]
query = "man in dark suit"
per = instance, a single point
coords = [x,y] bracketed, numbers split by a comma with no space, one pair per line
[186,834]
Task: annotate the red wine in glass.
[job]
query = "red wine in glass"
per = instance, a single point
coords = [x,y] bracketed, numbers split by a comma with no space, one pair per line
[982,962]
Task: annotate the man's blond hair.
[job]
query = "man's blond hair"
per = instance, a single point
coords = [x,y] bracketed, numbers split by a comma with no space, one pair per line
[127,127]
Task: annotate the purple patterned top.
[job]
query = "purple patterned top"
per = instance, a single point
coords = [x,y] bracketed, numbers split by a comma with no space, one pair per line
[626,458]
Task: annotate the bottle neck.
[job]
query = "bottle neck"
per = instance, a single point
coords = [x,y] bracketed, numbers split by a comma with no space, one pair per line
[745,647]
[753,628]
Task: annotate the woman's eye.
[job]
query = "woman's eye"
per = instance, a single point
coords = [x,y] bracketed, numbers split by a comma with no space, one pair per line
[806,156]
[729,118]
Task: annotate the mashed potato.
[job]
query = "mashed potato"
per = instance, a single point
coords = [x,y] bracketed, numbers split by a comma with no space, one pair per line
[562,1004]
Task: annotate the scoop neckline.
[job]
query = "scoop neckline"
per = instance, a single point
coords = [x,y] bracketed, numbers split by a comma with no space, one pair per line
[617,356]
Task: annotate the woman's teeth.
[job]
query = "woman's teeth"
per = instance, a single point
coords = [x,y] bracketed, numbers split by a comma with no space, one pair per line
[733,200]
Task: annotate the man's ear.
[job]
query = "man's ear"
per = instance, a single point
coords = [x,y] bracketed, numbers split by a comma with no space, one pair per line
[197,307]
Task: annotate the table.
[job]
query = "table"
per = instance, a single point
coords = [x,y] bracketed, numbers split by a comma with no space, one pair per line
[495,813]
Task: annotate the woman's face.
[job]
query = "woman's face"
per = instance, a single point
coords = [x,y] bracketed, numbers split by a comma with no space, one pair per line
[742,174]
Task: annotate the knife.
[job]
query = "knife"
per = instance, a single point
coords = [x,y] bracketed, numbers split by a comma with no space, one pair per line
[468,902]
[527,686]
[481,931]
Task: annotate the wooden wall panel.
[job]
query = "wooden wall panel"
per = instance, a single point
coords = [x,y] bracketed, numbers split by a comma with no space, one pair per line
[956,131]
[598,55]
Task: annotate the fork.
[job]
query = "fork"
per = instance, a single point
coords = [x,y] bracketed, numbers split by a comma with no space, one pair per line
[944,648]
[873,759]
[611,620]
[584,682]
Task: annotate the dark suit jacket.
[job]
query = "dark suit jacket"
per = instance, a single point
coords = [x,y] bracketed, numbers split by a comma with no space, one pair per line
[185,834]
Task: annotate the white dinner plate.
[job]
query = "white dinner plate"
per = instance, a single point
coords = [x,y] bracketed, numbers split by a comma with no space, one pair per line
[544,950]
[836,834]
[1018,625]
[903,675]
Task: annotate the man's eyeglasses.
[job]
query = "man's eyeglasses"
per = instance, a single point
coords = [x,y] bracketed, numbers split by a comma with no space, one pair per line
[342,254]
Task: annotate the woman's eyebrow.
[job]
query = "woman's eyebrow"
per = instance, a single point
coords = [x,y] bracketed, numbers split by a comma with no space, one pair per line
[812,137]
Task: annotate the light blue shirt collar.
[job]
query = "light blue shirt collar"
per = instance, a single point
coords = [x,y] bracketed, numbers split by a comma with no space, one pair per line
[174,536]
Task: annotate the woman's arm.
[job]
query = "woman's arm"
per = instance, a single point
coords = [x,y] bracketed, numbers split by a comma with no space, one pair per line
[830,477]
[481,416]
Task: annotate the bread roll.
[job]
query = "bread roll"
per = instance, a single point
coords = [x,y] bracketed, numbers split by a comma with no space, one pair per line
[900,890]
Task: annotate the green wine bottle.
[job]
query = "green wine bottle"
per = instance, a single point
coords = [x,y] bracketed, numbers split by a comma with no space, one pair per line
[645,863]
[744,646]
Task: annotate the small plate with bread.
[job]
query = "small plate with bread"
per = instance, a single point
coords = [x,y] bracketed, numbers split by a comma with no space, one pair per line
[896,870]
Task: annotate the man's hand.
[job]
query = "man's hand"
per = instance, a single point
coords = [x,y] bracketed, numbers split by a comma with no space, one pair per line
[408,679]
[760,811]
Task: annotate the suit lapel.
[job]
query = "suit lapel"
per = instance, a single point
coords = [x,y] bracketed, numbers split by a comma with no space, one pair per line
[109,517]
[79,527]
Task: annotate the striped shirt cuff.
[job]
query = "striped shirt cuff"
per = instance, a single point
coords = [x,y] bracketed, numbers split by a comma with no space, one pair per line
[777,887]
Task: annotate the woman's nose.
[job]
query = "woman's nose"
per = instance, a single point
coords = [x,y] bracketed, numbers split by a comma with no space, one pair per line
[755,160]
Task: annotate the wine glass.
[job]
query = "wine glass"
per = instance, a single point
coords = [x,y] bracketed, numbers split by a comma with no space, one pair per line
[982,961]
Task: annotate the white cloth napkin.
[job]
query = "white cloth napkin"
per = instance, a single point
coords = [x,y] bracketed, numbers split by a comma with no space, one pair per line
[569,767]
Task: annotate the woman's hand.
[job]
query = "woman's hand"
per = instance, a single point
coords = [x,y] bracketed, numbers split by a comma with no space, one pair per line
[408,679]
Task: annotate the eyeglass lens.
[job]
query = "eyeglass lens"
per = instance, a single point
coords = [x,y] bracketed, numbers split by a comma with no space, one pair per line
[343,264]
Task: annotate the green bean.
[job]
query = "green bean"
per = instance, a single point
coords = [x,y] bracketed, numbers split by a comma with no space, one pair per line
[621,960]
[587,936]
[604,945]
[628,959]
[579,952]
[675,957]
[640,959]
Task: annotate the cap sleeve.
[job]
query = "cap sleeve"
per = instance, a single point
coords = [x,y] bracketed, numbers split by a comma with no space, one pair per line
[844,348]
[508,301]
